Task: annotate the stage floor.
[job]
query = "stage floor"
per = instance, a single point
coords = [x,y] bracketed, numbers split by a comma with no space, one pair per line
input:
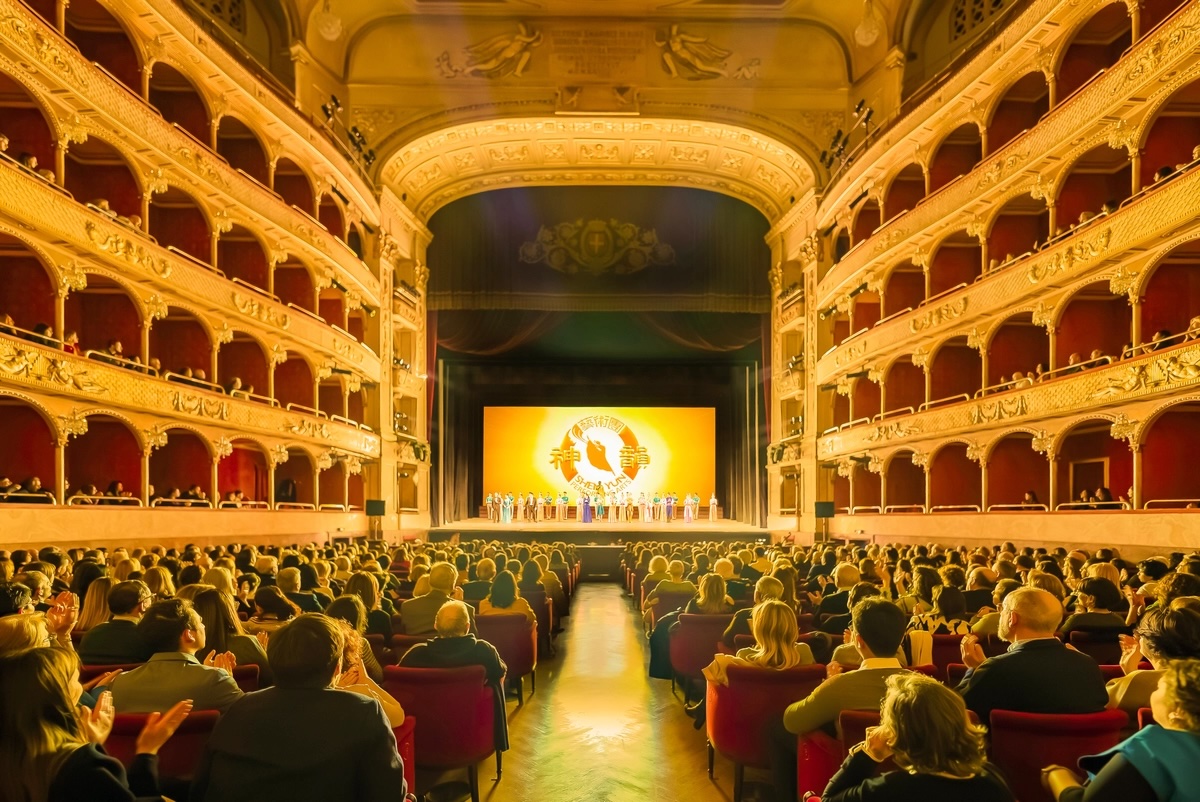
[597,531]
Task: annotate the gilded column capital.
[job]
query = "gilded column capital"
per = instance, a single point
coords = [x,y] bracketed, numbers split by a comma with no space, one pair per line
[222,447]
[71,277]
[1125,429]
[71,425]
[152,438]
[278,455]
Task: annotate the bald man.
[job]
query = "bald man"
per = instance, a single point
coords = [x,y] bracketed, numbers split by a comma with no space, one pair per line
[1038,674]
[417,615]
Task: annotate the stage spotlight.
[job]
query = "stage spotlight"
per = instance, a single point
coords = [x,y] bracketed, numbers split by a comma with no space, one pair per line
[329,111]
[866,118]
[836,137]
[369,158]
[334,189]
[858,108]
[337,104]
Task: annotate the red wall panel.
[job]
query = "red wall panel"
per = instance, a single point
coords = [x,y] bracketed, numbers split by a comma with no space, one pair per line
[1172,298]
[1012,117]
[107,452]
[243,260]
[331,217]
[184,461]
[867,488]
[1090,324]
[906,482]
[180,344]
[246,470]
[953,265]
[28,447]
[866,398]
[1170,444]
[954,479]
[1014,468]
[904,289]
[26,292]
[1091,446]
[112,50]
[905,386]
[100,317]
[182,227]
[294,383]
[299,469]
[1017,347]
[866,222]
[951,161]
[955,369]
[295,189]
[329,399]
[111,182]
[245,155]
[1169,143]
[28,132]
[1015,234]
[1087,192]
[246,361]
[333,490]
[294,285]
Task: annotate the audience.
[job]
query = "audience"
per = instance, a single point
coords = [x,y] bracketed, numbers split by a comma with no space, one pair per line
[479,587]
[366,587]
[949,615]
[118,640]
[419,614]
[766,588]
[289,582]
[710,599]
[223,632]
[271,611]
[505,598]
[1165,635]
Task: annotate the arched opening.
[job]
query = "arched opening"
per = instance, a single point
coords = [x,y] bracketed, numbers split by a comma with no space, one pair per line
[242,148]
[294,382]
[841,492]
[957,155]
[176,97]
[356,324]
[106,457]
[905,289]
[330,215]
[906,191]
[354,240]
[904,387]
[242,257]
[955,371]
[28,445]
[957,260]
[1169,443]
[355,492]
[866,220]
[331,305]
[180,342]
[102,313]
[1100,178]
[1014,469]
[177,221]
[244,359]
[333,484]
[26,289]
[355,406]
[1172,295]
[1155,12]
[841,244]
[1018,110]
[1022,224]
[100,38]
[1095,47]
[294,285]
[330,399]
[1018,346]
[183,463]
[1174,133]
[905,482]
[292,184]
[97,174]
[868,490]
[864,398]
[245,469]
[865,311]
[955,480]
[22,121]
[1094,322]
[295,480]
[1088,458]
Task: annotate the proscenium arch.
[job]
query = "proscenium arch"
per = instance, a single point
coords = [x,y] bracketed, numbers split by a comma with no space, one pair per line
[436,168]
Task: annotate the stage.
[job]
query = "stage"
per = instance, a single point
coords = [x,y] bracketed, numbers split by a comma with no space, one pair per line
[597,532]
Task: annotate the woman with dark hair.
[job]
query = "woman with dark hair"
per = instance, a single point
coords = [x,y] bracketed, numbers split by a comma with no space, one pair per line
[504,598]
[84,574]
[349,608]
[924,729]
[531,578]
[356,676]
[51,749]
[949,616]
[366,587]
[271,611]
[1165,634]
[224,633]
[1094,602]
[920,600]
[702,565]
[787,575]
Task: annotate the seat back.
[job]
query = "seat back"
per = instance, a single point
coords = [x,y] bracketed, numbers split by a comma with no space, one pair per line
[1145,717]
[514,638]
[738,715]
[947,649]
[694,642]
[543,608]
[670,600]
[1102,646]
[246,677]
[1024,743]
[179,756]
[955,673]
[455,708]
[406,747]
[402,643]
[379,647]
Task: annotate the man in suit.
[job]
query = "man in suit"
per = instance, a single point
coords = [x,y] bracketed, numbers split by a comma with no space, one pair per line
[117,640]
[173,632]
[1038,674]
[418,614]
[981,583]
[760,567]
[767,587]
[878,627]
[837,602]
[481,586]
[298,739]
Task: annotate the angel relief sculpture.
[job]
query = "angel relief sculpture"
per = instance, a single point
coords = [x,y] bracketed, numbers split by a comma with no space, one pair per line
[691,57]
[496,57]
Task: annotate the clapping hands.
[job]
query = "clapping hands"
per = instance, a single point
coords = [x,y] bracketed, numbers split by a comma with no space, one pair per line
[63,613]
[972,652]
[161,726]
[876,744]
[225,660]
[97,723]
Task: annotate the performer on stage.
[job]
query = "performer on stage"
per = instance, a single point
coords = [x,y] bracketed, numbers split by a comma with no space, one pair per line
[585,509]
[547,506]
[488,503]
[519,507]
[563,501]
[642,509]
[628,511]
[669,505]
[614,506]
[506,509]
[712,507]
[687,509]
[532,507]
[601,501]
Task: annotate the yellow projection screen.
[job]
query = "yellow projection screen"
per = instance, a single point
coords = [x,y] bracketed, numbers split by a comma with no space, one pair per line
[581,449]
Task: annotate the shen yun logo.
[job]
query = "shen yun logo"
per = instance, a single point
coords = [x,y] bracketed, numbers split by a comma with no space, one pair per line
[599,453]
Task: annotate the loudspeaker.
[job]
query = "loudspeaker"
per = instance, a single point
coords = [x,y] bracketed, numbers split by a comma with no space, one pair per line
[376,506]
[822,509]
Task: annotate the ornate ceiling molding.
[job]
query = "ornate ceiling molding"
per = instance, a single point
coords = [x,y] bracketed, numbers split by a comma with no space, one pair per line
[438,168]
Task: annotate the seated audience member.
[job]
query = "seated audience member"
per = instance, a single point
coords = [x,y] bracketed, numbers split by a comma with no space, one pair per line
[302,738]
[504,598]
[271,611]
[1156,763]
[39,588]
[920,599]
[356,679]
[981,582]
[531,578]
[223,632]
[289,582]
[987,619]
[1164,635]
[1038,673]
[710,599]
[349,608]
[940,755]
[878,627]
[117,640]
[775,634]
[94,609]
[158,579]
[674,583]
[418,614]
[15,598]
[730,569]
[657,572]
[365,586]
[455,647]
[1094,602]
[834,601]
[838,624]
[767,587]
[949,616]
[266,567]
[51,751]
[760,566]
[174,634]
[481,586]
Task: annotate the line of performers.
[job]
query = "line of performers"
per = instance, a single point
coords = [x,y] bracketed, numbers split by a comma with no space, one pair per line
[506,508]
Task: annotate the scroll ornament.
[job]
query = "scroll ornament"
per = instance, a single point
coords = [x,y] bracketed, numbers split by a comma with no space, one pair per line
[597,247]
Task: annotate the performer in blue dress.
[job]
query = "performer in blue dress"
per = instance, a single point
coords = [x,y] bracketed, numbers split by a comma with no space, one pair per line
[585,505]
[506,509]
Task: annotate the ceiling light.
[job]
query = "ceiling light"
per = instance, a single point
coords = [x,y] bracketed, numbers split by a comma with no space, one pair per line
[868,31]
[329,25]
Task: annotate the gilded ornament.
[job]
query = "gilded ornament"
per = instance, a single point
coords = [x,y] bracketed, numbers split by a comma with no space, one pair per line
[1067,258]
[263,312]
[154,437]
[197,162]
[1043,315]
[155,181]
[71,277]
[1123,282]
[222,222]
[599,152]
[71,425]
[1152,374]
[1000,169]
[875,465]
[976,453]
[596,247]
[49,52]
[851,352]
[325,461]
[352,464]
[127,249]
[278,455]
[1043,443]
[199,405]
[692,57]
[999,409]
[809,249]
[1125,429]
[842,386]
[920,356]
[72,131]
[279,354]
[223,333]
[920,459]
[222,447]
[976,339]
[845,468]
[938,315]
[307,427]
[892,431]
[156,307]
[499,56]
[21,360]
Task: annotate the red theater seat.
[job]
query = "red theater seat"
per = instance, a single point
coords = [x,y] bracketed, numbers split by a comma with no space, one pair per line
[406,747]
[179,756]
[379,648]
[516,641]
[1025,743]
[402,643]
[1103,647]
[668,602]
[246,677]
[89,673]
[1145,717]
[693,643]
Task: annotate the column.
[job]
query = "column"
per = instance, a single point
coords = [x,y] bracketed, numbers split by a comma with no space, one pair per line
[928,489]
[1136,501]
[145,491]
[983,485]
[145,349]
[214,489]
[1135,321]
[60,315]
[1135,161]
[60,469]
[1053,500]
[271,482]
[214,363]
[1052,335]
[883,499]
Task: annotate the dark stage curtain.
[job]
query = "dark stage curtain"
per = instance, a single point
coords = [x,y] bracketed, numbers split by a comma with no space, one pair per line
[496,331]
[704,331]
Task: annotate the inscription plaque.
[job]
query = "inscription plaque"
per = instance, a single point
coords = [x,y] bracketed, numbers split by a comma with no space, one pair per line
[609,53]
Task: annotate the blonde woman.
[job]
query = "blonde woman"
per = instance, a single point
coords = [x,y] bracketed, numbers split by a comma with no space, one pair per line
[775,632]
[364,586]
[124,568]
[711,599]
[95,605]
[357,679]
[158,579]
[222,580]
[189,592]
[924,729]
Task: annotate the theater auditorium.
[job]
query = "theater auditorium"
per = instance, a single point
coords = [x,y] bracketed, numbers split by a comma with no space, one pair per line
[599,400]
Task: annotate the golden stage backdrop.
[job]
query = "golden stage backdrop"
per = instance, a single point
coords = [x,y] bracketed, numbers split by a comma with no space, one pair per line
[580,449]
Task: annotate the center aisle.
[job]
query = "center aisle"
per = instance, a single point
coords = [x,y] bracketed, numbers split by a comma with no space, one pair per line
[597,728]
